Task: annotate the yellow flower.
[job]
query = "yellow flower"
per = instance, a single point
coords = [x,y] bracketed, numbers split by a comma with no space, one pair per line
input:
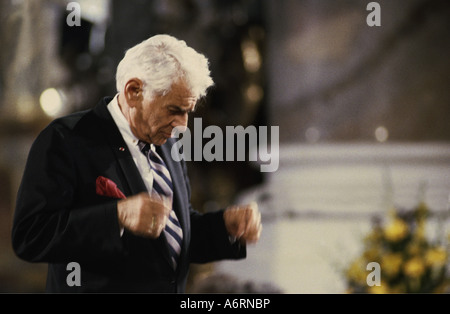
[409,263]
[399,288]
[436,257]
[373,237]
[422,211]
[414,248]
[442,288]
[357,272]
[414,267]
[381,289]
[391,264]
[396,231]
[371,254]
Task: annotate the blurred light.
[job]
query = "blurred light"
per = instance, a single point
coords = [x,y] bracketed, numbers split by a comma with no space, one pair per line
[254,93]
[312,135]
[251,56]
[51,101]
[381,134]
[95,11]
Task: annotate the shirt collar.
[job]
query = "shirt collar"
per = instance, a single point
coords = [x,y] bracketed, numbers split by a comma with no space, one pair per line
[122,123]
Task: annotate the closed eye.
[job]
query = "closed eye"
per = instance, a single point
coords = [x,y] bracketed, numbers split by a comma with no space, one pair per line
[175,110]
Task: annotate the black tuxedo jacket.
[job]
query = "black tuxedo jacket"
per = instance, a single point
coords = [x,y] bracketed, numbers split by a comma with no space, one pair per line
[59,217]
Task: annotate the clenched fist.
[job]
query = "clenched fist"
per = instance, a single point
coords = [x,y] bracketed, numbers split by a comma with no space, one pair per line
[143,215]
[243,222]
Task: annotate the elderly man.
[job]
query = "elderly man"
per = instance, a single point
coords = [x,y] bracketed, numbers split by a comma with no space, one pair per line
[100,187]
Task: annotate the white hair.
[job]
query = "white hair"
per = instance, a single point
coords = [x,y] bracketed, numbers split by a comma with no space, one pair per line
[161,61]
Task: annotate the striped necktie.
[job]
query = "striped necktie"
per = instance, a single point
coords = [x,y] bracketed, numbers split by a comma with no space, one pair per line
[162,185]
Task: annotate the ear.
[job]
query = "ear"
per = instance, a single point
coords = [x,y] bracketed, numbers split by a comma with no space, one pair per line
[133,91]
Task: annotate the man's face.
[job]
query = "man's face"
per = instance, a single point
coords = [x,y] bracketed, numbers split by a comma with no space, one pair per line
[153,121]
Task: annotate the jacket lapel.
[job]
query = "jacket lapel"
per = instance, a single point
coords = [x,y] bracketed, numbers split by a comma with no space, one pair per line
[119,148]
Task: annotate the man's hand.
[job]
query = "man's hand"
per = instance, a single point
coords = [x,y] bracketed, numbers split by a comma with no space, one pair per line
[243,222]
[143,215]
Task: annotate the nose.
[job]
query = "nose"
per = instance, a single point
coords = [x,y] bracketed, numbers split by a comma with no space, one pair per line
[180,120]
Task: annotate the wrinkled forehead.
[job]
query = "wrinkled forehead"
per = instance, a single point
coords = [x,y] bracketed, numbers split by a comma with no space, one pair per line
[182,95]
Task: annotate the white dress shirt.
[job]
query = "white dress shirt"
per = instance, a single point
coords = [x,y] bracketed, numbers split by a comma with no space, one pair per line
[132,143]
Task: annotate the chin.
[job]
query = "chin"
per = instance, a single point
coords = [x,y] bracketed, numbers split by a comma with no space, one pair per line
[161,142]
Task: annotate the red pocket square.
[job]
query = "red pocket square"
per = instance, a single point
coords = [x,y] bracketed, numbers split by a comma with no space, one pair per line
[107,187]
